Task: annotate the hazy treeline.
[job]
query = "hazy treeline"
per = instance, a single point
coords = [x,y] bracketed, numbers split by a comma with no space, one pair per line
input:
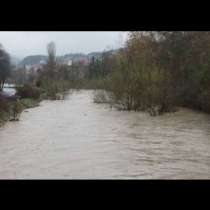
[56,77]
[155,72]
[158,71]
[51,79]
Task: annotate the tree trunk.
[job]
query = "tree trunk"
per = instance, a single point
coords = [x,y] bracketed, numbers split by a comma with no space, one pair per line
[1,86]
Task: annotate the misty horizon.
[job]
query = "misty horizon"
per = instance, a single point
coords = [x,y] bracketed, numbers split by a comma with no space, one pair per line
[22,44]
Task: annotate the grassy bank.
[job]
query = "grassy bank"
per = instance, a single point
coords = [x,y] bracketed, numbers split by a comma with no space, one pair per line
[27,103]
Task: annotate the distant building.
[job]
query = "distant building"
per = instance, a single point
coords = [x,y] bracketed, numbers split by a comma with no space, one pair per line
[43,62]
[82,61]
[67,62]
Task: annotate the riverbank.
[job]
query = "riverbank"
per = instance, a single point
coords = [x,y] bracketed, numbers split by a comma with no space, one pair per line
[8,113]
[29,97]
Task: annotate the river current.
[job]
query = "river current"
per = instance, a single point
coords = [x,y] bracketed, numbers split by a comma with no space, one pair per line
[78,139]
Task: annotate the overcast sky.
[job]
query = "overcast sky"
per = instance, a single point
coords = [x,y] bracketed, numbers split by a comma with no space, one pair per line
[21,44]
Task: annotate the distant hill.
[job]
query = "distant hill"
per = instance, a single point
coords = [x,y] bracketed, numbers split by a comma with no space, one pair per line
[73,56]
[35,59]
[32,59]
[94,54]
[14,60]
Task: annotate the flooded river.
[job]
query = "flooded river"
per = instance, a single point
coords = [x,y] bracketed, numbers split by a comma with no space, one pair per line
[77,139]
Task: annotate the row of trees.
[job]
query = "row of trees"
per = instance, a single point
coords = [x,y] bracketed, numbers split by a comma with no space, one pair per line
[52,78]
[158,71]
[55,77]
[101,67]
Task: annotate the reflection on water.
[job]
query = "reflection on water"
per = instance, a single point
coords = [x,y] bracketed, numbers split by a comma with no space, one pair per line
[75,138]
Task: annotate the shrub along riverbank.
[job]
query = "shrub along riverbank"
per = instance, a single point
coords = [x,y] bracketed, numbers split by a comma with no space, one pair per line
[28,96]
[158,72]
[14,108]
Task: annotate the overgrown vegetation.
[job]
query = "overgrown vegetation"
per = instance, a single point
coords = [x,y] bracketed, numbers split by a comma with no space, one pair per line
[53,78]
[159,71]
[28,91]
[12,109]
[154,72]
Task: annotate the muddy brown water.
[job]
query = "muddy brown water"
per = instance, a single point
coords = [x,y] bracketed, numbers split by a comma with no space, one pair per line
[78,139]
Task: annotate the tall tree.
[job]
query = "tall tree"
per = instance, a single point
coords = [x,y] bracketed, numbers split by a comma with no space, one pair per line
[5,66]
[51,64]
